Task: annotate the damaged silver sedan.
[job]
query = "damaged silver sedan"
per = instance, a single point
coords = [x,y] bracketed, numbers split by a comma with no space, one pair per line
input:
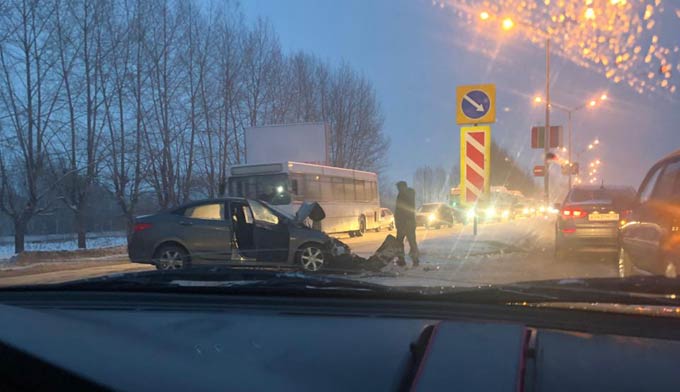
[233,231]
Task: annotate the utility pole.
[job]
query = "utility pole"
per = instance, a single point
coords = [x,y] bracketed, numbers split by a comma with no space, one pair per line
[546,136]
[571,163]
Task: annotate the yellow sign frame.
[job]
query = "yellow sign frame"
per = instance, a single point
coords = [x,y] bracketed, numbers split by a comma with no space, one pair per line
[489,116]
[463,164]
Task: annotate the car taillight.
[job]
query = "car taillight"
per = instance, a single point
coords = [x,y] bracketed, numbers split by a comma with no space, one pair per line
[141,226]
[573,213]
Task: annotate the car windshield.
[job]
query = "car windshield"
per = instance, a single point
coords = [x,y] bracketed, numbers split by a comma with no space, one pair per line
[434,143]
[623,197]
[428,207]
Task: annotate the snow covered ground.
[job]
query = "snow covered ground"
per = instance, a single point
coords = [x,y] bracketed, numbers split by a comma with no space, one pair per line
[61,242]
[500,253]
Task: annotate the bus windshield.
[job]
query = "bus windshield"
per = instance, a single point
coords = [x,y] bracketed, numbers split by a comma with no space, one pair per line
[272,188]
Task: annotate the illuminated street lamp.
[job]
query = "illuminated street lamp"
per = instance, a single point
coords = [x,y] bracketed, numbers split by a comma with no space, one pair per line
[590,146]
[507,24]
[483,15]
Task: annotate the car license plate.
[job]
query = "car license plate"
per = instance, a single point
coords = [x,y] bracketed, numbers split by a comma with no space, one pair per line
[597,217]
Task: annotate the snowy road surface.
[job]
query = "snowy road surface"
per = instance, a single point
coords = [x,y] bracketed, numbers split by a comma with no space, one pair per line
[500,253]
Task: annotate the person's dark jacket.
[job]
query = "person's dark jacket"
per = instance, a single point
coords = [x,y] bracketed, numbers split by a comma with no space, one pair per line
[405,211]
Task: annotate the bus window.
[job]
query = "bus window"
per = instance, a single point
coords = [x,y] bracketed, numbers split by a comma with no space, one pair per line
[312,187]
[360,189]
[296,189]
[326,188]
[349,189]
[372,191]
[337,188]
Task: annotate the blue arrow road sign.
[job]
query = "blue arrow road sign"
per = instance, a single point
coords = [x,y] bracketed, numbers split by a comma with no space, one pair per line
[475,104]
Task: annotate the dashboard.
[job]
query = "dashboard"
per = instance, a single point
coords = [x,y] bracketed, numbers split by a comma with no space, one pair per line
[168,342]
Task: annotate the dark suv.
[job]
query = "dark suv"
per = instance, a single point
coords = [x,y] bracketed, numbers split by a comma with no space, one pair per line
[590,217]
[650,237]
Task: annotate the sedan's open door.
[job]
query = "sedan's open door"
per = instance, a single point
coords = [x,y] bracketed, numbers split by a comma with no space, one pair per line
[271,235]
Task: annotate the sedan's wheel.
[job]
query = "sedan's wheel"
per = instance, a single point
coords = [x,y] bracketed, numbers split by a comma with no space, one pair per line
[625,264]
[311,258]
[171,257]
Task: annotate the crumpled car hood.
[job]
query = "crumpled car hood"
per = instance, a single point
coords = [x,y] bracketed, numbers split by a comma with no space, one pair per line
[312,211]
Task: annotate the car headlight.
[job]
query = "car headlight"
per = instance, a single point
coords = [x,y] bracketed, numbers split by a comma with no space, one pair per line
[541,209]
[470,213]
[490,212]
[505,214]
[431,218]
[525,211]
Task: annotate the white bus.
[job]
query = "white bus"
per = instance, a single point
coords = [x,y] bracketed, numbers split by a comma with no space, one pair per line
[348,197]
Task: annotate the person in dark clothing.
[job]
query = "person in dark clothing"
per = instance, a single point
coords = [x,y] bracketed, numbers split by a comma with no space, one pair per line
[405,220]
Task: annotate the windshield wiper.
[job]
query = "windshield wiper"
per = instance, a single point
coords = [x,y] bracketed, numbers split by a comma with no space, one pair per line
[647,290]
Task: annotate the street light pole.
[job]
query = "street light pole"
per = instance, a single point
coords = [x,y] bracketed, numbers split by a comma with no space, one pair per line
[571,163]
[546,136]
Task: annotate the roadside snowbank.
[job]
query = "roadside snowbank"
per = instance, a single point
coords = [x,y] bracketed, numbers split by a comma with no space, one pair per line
[46,244]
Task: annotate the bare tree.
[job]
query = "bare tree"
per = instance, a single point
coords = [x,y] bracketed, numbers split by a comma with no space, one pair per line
[82,49]
[220,91]
[262,59]
[139,96]
[432,185]
[353,112]
[164,136]
[124,172]
[29,96]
